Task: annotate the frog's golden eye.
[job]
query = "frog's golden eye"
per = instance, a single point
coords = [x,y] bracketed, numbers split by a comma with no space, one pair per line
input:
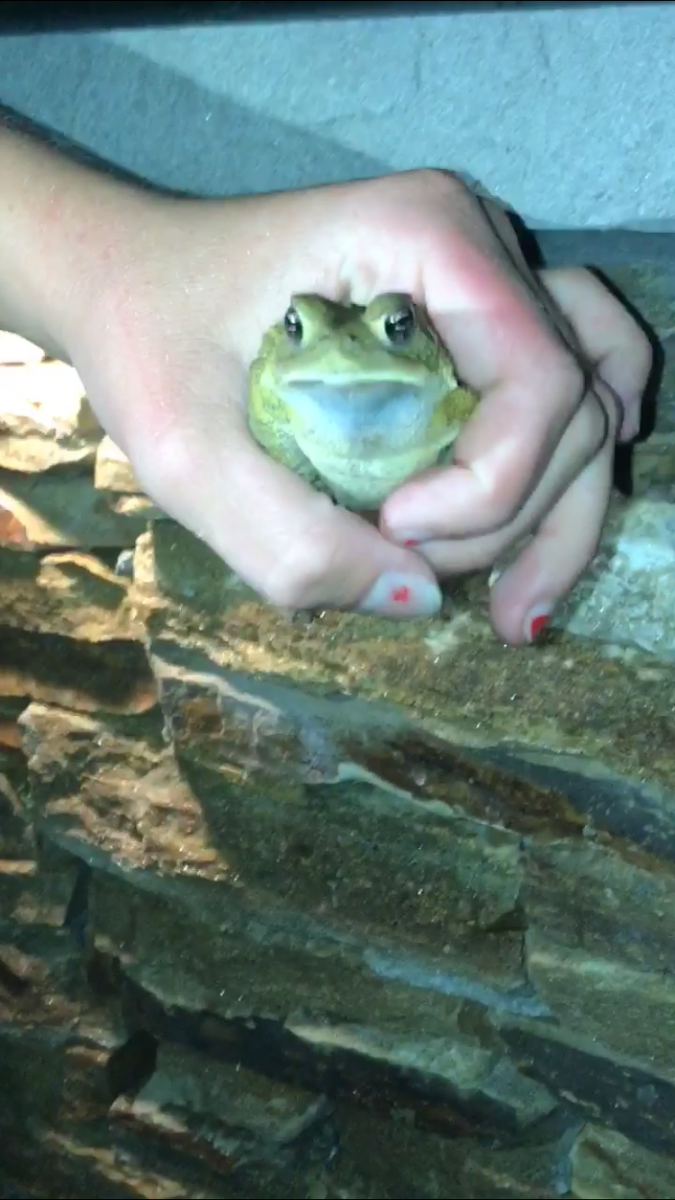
[400,326]
[293,325]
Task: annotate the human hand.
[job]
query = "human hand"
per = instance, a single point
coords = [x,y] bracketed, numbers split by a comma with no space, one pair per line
[179,293]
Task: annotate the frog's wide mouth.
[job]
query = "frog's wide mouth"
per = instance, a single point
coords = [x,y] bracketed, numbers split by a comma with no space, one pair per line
[363,394]
[373,413]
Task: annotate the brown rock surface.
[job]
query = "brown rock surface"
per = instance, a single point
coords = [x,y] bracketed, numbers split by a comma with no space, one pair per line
[338,909]
[45,420]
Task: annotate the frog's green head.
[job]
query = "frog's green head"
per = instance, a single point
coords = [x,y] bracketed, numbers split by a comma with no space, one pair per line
[360,398]
[345,369]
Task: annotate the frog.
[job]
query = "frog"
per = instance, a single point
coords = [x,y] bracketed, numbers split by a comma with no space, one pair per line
[356,399]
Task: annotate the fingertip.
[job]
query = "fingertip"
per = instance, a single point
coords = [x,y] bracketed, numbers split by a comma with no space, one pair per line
[404,594]
[345,563]
[286,540]
[524,596]
[518,615]
[311,553]
[508,607]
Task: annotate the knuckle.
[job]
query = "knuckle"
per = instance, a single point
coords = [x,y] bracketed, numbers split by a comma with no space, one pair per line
[502,504]
[303,574]
[439,182]
[452,184]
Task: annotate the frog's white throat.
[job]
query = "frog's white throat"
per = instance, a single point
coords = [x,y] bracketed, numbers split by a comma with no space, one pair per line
[365,439]
[353,418]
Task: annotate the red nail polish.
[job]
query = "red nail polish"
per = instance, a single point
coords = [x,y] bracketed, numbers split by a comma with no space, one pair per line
[537,626]
[401,595]
[411,542]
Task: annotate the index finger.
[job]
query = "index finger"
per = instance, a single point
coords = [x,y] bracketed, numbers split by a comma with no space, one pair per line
[504,345]
[619,349]
[198,461]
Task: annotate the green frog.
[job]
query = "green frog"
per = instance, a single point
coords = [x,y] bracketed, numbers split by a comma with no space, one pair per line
[356,399]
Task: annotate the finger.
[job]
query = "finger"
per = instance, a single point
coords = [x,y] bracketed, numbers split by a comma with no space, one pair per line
[525,595]
[531,385]
[453,557]
[580,441]
[289,543]
[619,349]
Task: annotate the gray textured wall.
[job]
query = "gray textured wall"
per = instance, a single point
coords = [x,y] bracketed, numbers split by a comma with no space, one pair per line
[568,115]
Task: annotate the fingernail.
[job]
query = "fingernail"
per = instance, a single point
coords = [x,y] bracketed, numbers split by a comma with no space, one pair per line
[495,574]
[396,594]
[536,621]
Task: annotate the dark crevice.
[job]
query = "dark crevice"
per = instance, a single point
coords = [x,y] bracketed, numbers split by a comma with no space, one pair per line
[112,676]
[624,1096]
[104,975]
[10,982]
[131,1066]
[265,1046]
[513,921]
[76,917]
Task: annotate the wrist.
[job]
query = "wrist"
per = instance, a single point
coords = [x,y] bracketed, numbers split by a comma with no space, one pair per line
[57,218]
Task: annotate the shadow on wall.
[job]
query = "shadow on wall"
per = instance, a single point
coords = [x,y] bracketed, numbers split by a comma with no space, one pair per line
[153,122]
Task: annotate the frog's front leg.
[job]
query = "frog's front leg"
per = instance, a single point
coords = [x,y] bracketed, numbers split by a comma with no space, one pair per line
[280,444]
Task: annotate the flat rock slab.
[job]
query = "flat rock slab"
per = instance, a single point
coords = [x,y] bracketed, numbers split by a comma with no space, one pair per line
[327,908]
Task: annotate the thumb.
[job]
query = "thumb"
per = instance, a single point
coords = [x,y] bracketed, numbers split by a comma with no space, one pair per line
[291,544]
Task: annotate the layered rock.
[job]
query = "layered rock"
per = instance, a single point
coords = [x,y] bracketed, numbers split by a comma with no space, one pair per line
[346,908]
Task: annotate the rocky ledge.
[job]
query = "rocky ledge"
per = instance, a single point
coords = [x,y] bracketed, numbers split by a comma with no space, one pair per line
[339,909]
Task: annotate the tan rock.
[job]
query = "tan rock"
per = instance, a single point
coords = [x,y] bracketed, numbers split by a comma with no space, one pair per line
[134,506]
[73,595]
[113,472]
[45,419]
[69,636]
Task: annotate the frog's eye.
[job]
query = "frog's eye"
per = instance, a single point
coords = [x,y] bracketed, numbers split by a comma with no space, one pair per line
[400,326]
[293,325]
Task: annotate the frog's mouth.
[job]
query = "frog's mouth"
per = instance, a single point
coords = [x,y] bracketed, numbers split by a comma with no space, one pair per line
[365,411]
